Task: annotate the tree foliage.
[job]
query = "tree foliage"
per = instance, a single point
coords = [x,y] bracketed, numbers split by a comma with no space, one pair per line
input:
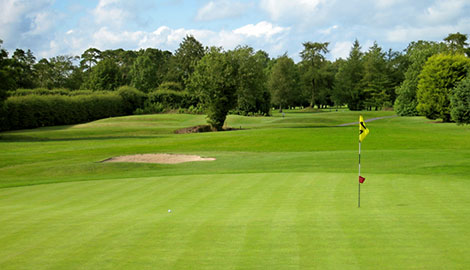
[313,68]
[417,54]
[252,92]
[460,102]
[439,76]
[214,81]
[186,57]
[283,82]
[348,79]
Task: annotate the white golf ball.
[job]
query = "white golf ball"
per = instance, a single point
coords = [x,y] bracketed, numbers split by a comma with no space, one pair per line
[169,210]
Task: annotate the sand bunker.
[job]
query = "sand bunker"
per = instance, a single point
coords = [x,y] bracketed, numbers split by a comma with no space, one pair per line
[158,158]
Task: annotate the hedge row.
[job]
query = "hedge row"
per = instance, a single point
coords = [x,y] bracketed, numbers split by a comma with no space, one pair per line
[171,99]
[33,111]
[48,92]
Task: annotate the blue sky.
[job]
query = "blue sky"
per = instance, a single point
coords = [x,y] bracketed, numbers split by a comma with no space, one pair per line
[58,27]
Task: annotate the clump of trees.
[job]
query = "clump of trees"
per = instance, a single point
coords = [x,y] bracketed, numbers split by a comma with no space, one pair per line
[432,79]
[421,80]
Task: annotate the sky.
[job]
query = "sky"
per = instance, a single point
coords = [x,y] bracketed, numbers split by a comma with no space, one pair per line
[66,27]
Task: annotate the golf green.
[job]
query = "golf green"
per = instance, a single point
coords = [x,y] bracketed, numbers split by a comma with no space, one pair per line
[281,194]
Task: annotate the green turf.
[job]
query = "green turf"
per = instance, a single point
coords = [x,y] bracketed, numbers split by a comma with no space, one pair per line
[282,194]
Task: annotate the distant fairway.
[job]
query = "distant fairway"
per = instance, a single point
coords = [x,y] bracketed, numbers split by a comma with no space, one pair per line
[282,194]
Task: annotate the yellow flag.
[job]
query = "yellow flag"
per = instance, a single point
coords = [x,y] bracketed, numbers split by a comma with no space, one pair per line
[363,131]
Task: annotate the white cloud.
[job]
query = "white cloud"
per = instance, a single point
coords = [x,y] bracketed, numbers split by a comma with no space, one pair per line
[221,9]
[279,9]
[406,33]
[261,29]
[262,35]
[111,13]
[443,12]
[19,17]
[328,30]
[341,49]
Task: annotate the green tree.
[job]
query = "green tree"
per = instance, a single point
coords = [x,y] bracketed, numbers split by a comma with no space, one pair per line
[375,80]
[457,43]
[104,76]
[283,82]
[90,58]
[439,76]
[313,70]
[252,93]
[184,61]
[417,54]
[7,81]
[348,79]
[460,102]
[149,69]
[214,81]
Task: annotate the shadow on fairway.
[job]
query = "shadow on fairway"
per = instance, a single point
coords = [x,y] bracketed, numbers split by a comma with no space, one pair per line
[22,138]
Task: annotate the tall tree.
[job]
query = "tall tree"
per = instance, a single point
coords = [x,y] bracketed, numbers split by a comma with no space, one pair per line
[104,76]
[252,93]
[375,81]
[4,73]
[417,53]
[348,79]
[283,82]
[457,43]
[22,63]
[90,58]
[186,57]
[149,69]
[313,61]
[214,81]
[460,102]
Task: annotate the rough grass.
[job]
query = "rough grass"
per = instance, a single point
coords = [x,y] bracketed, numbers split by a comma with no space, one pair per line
[282,194]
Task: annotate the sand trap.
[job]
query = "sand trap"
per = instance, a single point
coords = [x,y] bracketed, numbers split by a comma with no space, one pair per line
[158,158]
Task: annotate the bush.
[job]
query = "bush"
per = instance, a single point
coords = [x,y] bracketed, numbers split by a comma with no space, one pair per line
[33,111]
[39,91]
[132,98]
[172,99]
[174,86]
[150,108]
[460,102]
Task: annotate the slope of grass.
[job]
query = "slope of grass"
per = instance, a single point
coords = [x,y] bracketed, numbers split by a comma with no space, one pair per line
[282,194]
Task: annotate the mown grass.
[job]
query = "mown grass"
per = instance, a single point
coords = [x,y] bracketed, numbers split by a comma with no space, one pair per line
[282,194]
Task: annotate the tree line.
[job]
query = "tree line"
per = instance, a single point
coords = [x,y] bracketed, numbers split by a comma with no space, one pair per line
[418,81]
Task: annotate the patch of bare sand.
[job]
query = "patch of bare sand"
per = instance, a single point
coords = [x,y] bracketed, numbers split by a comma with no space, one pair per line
[158,158]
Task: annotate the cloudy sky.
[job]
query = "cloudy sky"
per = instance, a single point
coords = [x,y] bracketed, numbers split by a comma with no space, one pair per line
[57,27]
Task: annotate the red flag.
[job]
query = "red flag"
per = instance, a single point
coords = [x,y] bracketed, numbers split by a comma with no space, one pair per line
[361,179]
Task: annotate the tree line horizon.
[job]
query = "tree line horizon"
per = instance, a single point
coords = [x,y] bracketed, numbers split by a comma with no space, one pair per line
[249,82]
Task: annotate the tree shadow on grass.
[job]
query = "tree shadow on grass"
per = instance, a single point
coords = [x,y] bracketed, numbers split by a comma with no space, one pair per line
[24,138]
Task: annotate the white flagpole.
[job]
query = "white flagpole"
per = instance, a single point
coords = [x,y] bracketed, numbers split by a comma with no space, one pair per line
[359,183]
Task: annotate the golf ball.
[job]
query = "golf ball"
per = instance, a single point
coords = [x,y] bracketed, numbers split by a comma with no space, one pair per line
[169,210]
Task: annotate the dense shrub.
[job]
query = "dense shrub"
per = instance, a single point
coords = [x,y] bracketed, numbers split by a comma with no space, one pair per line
[460,102]
[39,91]
[175,86]
[172,99]
[33,111]
[132,98]
[151,108]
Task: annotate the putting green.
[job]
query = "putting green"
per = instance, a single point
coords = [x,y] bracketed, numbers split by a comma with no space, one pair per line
[281,194]
[238,221]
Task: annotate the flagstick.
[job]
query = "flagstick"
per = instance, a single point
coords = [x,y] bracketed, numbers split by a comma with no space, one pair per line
[359,183]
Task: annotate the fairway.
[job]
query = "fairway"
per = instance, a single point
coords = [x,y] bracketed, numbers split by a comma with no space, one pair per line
[281,194]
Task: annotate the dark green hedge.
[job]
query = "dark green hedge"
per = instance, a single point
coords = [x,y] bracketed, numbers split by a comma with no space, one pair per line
[38,91]
[172,99]
[33,111]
